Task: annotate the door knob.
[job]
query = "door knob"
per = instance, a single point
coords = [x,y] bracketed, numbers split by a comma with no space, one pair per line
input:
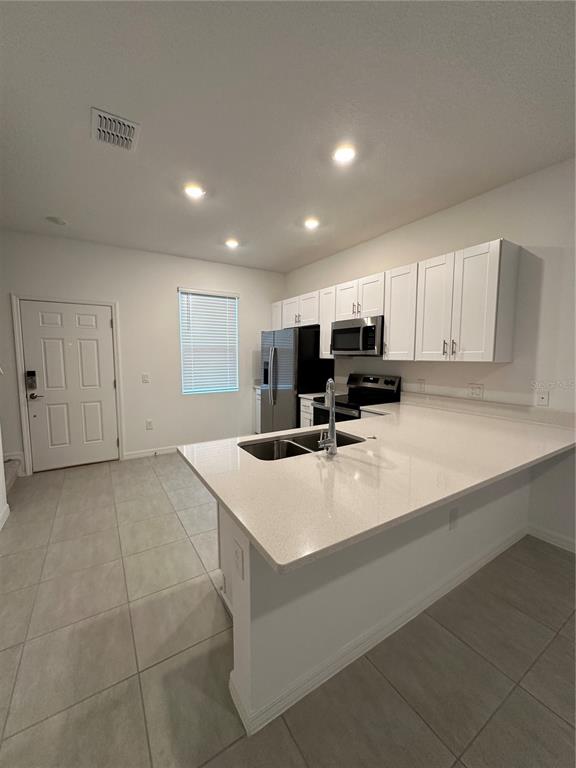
[34,396]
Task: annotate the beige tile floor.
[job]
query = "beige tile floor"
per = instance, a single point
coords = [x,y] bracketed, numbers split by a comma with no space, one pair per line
[115,648]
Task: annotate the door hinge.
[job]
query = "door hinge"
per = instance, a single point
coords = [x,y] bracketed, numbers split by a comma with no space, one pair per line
[111,322]
[118,442]
[114,383]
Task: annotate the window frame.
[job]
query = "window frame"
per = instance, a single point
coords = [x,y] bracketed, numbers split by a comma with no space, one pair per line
[216,294]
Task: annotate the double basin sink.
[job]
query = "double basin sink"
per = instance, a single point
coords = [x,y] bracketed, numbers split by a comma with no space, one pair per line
[294,445]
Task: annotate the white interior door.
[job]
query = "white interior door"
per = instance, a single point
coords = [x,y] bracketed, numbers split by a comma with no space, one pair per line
[68,349]
[371,295]
[347,300]
[474,303]
[400,312]
[308,309]
[327,317]
[434,308]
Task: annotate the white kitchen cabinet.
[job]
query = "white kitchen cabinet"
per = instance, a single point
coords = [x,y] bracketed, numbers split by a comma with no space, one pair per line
[308,309]
[400,312]
[327,313]
[360,298]
[277,316]
[301,310]
[434,307]
[483,303]
[370,301]
[290,309]
[346,300]
[466,304]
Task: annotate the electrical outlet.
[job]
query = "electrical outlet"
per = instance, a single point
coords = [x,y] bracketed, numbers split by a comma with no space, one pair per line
[145,378]
[421,385]
[542,397]
[476,391]
[149,424]
[452,519]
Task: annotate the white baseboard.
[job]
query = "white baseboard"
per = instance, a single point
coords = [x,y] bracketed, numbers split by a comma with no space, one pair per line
[254,721]
[149,452]
[4,515]
[558,539]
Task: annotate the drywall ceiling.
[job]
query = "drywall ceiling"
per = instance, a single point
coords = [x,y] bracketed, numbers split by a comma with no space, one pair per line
[444,101]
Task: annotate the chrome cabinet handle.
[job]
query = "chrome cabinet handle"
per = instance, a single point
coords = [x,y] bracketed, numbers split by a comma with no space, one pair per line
[353,307]
[453,345]
[444,347]
[359,309]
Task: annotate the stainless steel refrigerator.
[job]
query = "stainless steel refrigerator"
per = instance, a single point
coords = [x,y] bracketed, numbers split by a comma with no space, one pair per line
[290,366]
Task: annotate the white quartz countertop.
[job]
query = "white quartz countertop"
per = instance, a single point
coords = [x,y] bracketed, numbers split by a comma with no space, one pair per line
[415,458]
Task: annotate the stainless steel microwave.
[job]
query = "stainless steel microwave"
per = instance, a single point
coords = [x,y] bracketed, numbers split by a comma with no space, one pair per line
[361,336]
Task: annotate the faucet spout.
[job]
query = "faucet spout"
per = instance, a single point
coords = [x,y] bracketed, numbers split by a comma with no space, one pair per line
[329,443]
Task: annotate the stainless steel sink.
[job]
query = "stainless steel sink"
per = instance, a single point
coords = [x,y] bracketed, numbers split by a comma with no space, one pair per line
[293,445]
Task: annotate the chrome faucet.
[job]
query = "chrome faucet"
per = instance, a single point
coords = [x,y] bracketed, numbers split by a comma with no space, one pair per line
[329,442]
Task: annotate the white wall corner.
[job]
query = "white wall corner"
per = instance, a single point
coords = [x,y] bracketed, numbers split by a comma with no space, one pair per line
[552,502]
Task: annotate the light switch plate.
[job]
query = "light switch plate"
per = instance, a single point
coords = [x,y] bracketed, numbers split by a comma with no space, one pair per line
[145,378]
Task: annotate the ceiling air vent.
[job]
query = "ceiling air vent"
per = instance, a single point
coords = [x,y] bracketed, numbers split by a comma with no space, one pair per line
[114,130]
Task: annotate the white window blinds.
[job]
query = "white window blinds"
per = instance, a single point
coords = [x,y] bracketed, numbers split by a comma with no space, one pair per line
[208,342]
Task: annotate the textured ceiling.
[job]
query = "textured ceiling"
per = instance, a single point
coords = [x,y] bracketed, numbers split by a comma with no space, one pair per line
[444,101]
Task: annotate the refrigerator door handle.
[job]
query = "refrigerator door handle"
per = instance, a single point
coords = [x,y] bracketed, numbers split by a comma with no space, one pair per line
[270,374]
[273,376]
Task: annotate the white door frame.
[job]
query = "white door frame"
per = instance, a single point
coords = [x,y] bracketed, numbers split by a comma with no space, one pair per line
[21,368]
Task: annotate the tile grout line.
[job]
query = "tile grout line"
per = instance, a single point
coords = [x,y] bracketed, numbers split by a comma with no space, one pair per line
[512,690]
[127,603]
[70,706]
[17,673]
[506,600]
[146,731]
[294,739]
[409,705]
[470,647]
[219,753]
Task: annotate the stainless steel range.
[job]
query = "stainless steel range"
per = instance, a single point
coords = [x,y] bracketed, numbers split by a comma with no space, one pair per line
[363,389]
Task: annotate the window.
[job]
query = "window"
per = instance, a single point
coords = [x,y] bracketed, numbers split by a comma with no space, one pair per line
[208,342]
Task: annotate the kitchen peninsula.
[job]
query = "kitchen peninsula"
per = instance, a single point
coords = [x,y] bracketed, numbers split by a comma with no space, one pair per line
[324,557]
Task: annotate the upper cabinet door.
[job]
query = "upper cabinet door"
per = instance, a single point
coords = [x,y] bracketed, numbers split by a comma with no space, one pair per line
[309,310]
[400,312]
[347,300]
[327,317]
[434,308]
[277,316]
[290,308]
[475,300]
[370,295]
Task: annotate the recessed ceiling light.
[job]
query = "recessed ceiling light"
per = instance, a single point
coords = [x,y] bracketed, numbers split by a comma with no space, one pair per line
[56,220]
[344,154]
[311,223]
[194,191]
[232,243]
